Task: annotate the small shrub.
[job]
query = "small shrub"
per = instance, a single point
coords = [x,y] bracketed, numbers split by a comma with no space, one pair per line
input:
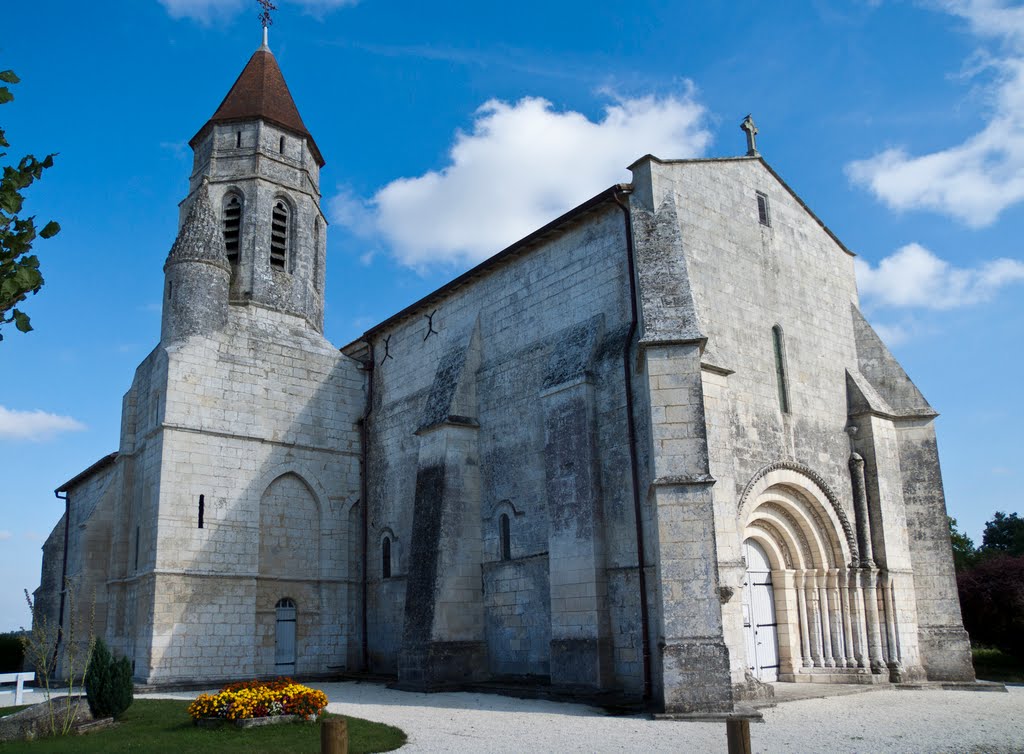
[108,683]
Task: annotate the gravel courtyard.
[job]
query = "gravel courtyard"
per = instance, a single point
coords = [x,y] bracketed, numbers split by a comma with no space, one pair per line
[874,721]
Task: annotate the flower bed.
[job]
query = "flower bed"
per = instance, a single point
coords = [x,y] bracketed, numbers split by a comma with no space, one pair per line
[248,700]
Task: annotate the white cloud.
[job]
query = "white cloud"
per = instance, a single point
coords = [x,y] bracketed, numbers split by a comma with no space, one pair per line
[913,277]
[4,535]
[34,425]
[208,11]
[976,180]
[521,165]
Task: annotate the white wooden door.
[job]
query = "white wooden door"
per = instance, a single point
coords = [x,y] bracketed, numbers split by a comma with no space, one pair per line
[284,638]
[759,626]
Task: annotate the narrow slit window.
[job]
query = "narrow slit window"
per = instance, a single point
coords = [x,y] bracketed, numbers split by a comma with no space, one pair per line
[281,146]
[232,227]
[386,557]
[238,139]
[778,346]
[763,215]
[279,236]
[170,289]
[504,529]
[136,548]
[202,509]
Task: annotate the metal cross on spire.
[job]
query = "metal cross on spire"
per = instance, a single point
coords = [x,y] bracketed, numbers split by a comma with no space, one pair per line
[750,129]
[265,17]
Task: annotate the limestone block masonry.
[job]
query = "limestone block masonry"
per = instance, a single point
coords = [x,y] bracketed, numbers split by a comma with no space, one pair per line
[670,388]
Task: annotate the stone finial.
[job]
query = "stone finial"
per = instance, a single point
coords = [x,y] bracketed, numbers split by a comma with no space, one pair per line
[748,127]
[200,238]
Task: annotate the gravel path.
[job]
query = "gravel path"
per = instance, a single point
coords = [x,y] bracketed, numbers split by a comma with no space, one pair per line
[875,722]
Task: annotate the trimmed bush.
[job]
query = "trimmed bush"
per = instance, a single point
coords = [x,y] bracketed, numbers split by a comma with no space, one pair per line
[108,683]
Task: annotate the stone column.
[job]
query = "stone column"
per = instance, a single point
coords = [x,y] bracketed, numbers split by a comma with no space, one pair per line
[835,619]
[848,612]
[859,621]
[860,504]
[805,637]
[826,623]
[893,660]
[869,576]
[813,616]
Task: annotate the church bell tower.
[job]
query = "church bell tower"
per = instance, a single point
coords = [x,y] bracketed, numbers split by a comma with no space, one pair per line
[261,168]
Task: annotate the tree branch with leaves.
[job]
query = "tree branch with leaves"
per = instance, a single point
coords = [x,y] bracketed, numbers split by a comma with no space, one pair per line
[19,269]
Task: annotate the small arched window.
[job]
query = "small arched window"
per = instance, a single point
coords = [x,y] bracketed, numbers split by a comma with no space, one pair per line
[281,146]
[385,553]
[779,346]
[279,235]
[232,226]
[285,602]
[505,534]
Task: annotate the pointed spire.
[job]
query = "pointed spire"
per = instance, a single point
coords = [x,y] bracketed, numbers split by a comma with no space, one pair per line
[200,238]
[260,92]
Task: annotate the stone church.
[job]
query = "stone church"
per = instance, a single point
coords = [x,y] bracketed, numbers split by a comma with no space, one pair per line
[652,448]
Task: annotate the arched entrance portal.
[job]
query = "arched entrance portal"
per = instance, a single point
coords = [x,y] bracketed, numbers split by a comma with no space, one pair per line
[759,625]
[833,612]
[284,637]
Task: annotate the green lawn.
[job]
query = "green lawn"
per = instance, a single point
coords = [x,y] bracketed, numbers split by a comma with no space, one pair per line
[4,711]
[163,726]
[995,665]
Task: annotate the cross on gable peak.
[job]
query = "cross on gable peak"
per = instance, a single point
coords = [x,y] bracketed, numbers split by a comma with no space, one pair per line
[748,127]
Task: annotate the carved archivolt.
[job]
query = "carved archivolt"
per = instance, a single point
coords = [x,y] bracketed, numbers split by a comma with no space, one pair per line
[769,530]
[805,546]
[819,482]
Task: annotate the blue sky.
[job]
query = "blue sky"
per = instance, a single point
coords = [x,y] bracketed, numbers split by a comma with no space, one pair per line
[901,124]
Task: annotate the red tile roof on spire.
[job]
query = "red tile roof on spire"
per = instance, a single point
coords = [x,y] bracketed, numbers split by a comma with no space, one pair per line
[260,92]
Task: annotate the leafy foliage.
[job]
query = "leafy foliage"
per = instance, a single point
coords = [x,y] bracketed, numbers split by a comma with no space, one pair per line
[964,553]
[108,684]
[12,653]
[1004,534]
[992,602]
[19,270]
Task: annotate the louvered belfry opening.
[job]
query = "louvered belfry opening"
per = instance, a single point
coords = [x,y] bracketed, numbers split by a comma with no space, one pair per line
[232,227]
[279,236]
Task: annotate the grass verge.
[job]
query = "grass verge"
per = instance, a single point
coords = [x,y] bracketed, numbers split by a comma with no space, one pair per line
[162,726]
[4,711]
[995,665]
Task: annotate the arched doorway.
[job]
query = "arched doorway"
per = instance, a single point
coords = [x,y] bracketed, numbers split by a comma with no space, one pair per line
[759,623]
[284,637]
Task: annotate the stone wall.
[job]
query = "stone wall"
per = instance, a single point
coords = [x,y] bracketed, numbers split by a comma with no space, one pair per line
[570,294]
[260,421]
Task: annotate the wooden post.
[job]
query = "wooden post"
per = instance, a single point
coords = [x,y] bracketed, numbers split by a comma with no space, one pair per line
[738,734]
[334,736]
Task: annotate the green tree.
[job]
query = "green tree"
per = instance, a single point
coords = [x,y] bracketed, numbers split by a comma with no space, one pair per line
[19,270]
[1003,535]
[964,553]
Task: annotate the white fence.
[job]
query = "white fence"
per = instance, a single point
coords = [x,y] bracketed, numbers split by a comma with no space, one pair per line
[19,680]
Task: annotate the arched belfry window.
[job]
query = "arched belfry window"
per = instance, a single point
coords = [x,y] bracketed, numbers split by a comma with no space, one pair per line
[779,346]
[385,554]
[232,226]
[505,535]
[279,229]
